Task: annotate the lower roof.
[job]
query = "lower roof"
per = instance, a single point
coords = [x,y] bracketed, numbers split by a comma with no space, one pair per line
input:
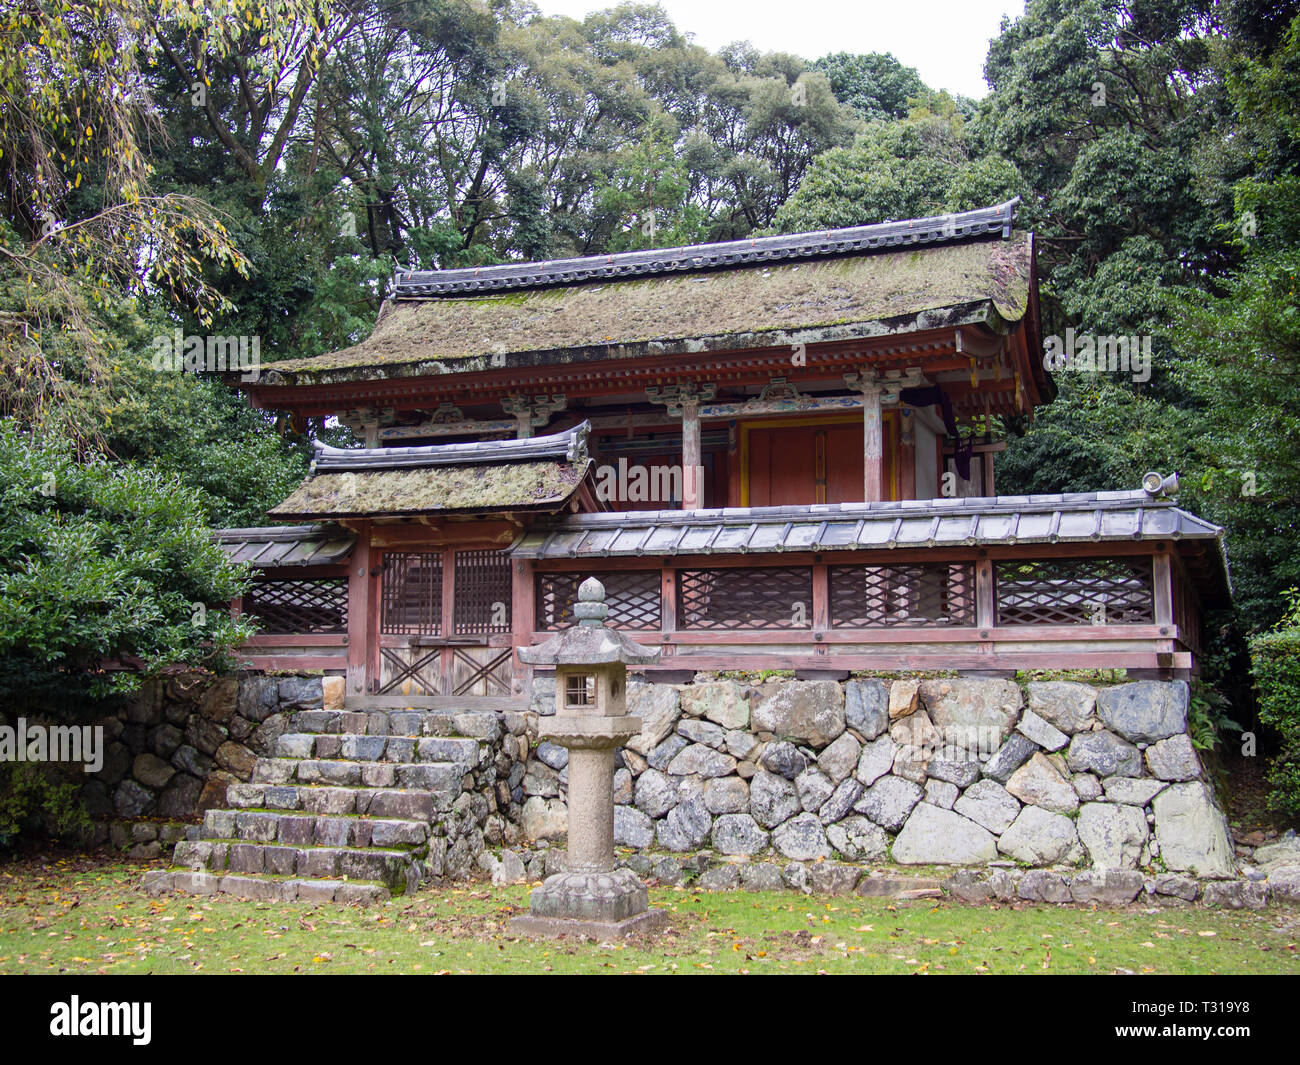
[494,476]
[1076,517]
[273,546]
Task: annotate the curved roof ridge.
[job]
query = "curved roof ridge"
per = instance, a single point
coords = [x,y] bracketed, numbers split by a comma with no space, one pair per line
[571,445]
[953,228]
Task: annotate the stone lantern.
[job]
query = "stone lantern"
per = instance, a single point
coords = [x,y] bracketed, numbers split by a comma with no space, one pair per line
[592,898]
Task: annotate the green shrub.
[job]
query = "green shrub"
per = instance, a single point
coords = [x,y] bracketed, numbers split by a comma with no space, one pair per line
[102,562]
[36,800]
[1275,660]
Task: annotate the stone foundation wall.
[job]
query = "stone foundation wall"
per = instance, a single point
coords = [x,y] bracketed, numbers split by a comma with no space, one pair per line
[1049,791]
[172,751]
[957,771]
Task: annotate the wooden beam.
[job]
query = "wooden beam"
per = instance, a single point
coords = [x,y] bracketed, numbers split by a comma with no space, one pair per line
[478,429]
[306,639]
[294,663]
[435,702]
[897,661]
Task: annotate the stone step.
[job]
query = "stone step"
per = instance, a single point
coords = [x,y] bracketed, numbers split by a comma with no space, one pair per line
[429,776]
[411,804]
[271,888]
[292,829]
[397,870]
[362,747]
[471,724]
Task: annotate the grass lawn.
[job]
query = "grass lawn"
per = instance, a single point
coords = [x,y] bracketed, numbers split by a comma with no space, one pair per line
[82,915]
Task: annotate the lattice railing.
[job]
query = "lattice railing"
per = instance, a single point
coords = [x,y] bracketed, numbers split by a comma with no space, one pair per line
[632,596]
[1075,591]
[289,606]
[929,593]
[482,591]
[742,598]
[411,593]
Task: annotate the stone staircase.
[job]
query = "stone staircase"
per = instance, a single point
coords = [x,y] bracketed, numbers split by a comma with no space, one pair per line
[350,808]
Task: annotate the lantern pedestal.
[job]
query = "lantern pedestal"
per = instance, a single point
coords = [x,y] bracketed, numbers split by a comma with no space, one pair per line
[592,897]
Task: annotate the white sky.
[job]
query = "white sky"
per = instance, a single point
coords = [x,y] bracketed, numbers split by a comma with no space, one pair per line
[945,40]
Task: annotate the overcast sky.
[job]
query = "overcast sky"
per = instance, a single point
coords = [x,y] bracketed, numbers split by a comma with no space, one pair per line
[946,40]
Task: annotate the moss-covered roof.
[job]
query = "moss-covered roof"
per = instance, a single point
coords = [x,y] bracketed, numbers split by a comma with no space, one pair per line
[481,488]
[860,295]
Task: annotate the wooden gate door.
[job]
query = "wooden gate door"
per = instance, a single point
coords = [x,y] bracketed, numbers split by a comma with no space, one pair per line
[444,624]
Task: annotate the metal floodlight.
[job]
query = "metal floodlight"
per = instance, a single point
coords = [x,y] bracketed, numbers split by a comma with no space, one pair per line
[1156,485]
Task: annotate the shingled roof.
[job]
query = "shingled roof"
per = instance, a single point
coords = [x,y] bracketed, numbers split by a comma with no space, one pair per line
[274,546]
[1074,517]
[845,284]
[492,476]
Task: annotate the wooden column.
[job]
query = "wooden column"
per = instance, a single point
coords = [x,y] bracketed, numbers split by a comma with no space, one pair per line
[821,599]
[692,489]
[873,447]
[359,611]
[873,437]
[986,606]
[907,452]
[683,401]
[668,598]
[523,620]
[1163,587]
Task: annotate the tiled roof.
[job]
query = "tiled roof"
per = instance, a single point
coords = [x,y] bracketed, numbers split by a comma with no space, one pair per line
[1076,517]
[570,445]
[855,240]
[852,285]
[287,545]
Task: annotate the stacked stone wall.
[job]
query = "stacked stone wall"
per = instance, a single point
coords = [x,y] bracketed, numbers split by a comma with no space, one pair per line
[956,771]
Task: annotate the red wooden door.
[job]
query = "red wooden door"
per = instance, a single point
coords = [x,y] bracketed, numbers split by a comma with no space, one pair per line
[801,464]
[844,464]
[782,467]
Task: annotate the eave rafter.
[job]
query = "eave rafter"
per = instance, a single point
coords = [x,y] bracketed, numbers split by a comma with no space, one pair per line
[935,351]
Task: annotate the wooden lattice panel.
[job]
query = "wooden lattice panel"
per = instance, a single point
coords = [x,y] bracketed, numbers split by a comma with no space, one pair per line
[288,606]
[411,595]
[1075,591]
[482,588]
[741,598]
[923,594]
[632,596]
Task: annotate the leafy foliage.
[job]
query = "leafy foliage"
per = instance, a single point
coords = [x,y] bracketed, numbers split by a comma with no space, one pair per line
[36,800]
[102,562]
[1275,658]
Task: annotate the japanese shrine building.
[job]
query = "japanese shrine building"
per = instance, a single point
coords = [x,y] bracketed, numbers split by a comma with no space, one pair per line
[775,453]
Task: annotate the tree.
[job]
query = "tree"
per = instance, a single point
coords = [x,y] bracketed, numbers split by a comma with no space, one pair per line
[918,166]
[877,86]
